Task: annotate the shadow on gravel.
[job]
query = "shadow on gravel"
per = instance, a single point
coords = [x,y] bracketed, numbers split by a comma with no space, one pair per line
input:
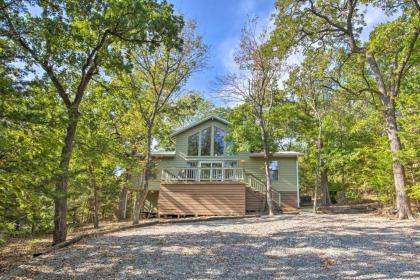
[322,253]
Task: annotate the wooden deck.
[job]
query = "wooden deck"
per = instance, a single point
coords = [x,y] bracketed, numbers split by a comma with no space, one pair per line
[215,199]
[202,198]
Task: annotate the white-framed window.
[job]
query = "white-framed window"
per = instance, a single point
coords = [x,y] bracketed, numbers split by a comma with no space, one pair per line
[209,141]
[193,144]
[231,164]
[274,170]
[219,141]
[205,141]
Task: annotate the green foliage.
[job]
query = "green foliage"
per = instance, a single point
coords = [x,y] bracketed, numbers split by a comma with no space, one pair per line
[50,52]
[48,48]
[30,127]
[414,192]
[364,81]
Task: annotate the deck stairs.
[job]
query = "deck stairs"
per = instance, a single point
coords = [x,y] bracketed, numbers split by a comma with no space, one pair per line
[257,189]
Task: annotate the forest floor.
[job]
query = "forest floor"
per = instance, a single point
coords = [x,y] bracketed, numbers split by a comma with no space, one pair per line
[305,246]
[19,249]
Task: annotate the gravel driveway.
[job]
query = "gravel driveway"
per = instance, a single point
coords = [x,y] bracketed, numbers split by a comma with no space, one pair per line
[282,247]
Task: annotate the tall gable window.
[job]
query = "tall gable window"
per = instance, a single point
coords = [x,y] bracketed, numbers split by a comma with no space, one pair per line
[193,144]
[209,141]
[219,143]
[206,141]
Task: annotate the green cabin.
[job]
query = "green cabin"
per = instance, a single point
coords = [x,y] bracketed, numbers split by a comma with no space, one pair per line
[201,178]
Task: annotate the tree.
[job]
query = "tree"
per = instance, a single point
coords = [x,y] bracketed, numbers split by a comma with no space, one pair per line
[68,42]
[186,109]
[97,157]
[255,85]
[310,83]
[157,78]
[338,24]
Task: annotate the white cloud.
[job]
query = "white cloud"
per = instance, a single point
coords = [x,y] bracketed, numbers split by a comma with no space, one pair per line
[227,52]
[373,17]
[228,47]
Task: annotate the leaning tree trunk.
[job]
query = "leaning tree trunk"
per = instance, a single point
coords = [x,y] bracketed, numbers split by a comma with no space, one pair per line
[266,167]
[403,203]
[60,196]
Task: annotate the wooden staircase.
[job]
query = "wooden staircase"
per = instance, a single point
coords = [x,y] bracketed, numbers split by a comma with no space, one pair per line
[256,194]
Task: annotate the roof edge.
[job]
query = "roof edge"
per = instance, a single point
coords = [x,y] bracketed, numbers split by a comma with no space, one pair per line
[163,154]
[287,154]
[185,128]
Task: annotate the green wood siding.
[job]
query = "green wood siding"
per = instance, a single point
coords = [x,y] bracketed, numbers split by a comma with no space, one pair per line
[287,166]
[287,171]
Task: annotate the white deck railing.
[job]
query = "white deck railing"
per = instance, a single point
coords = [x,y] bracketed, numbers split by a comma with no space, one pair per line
[199,174]
[255,183]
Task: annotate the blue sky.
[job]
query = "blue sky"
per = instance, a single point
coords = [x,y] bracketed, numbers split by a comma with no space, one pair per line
[220,23]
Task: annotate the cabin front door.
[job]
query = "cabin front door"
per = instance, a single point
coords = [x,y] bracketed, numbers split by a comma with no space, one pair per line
[211,170]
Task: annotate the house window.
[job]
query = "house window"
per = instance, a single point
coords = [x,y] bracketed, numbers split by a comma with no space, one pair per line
[219,144]
[192,164]
[231,164]
[200,143]
[193,144]
[206,141]
[274,170]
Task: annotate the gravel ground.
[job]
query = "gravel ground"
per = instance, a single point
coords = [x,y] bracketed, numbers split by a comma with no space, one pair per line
[301,246]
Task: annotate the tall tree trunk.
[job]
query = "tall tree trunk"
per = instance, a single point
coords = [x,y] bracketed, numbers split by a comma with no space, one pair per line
[60,196]
[136,206]
[122,204]
[315,197]
[266,166]
[95,199]
[96,207]
[142,192]
[319,145]
[403,203]
[322,175]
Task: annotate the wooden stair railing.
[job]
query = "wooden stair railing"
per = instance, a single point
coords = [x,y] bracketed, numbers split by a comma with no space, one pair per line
[258,185]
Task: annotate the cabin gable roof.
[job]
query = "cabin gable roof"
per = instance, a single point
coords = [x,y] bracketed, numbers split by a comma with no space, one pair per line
[197,123]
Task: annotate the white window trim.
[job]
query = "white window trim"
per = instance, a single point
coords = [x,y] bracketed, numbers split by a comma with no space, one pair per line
[212,140]
[199,143]
[212,133]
